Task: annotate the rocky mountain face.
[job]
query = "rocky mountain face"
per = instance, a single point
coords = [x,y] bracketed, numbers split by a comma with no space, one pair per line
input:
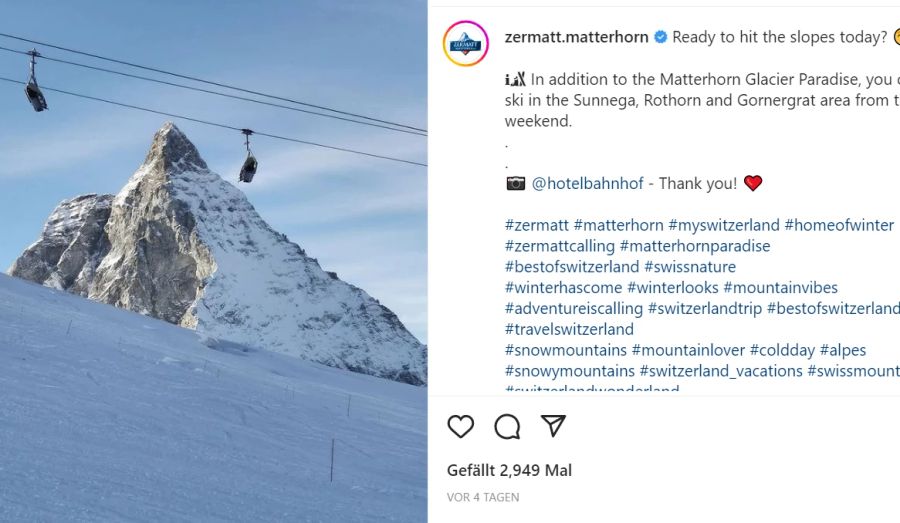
[181,244]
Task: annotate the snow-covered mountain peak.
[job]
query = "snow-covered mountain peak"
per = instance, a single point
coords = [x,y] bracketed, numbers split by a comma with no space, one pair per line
[172,151]
[181,244]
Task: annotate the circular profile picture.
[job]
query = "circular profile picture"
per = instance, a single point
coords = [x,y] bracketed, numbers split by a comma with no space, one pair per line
[466,43]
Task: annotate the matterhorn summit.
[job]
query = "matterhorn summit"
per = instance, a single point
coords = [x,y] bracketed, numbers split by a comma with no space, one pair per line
[181,244]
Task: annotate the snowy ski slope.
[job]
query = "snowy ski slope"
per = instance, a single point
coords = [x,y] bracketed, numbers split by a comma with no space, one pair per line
[107,415]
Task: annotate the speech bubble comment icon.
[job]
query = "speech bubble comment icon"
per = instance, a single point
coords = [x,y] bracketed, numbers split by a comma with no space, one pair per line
[507,426]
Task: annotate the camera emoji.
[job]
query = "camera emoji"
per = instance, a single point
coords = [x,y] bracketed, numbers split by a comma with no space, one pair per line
[515,183]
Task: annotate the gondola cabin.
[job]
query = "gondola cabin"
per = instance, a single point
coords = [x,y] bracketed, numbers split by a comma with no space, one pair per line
[35,97]
[248,169]
[32,91]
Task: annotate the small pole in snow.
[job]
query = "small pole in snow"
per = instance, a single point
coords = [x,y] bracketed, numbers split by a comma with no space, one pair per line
[332,460]
[69,327]
[349,397]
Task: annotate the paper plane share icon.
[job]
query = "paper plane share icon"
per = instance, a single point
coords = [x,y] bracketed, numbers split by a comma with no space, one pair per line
[554,421]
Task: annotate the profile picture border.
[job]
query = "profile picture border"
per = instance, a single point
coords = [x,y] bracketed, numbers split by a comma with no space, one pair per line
[487,43]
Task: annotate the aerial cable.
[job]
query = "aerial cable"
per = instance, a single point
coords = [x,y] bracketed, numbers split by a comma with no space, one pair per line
[217,93]
[221,125]
[209,82]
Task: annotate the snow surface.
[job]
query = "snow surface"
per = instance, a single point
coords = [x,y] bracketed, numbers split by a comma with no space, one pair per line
[107,415]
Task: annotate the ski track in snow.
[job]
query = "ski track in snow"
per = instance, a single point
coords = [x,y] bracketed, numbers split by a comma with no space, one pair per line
[107,415]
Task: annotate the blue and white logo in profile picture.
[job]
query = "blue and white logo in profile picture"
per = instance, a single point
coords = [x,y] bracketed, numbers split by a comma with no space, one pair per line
[465,44]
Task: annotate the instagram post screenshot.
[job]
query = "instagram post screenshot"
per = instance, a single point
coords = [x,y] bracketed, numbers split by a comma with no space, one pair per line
[662,252]
[213,299]
[442,261]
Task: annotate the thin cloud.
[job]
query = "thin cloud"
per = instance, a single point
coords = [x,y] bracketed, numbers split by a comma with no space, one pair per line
[60,150]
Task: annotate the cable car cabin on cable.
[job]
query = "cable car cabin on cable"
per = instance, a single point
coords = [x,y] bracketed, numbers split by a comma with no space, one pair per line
[250,164]
[35,97]
[32,91]
[249,169]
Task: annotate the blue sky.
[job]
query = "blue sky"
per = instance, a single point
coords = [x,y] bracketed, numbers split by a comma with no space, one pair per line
[363,218]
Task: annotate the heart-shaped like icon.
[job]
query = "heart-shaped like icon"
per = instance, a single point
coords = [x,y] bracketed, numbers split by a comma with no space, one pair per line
[752,182]
[460,425]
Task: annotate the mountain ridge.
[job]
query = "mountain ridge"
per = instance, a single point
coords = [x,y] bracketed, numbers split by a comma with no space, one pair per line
[181,244]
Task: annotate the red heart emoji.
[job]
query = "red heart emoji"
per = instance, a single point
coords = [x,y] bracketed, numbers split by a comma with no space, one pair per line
[752,182]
